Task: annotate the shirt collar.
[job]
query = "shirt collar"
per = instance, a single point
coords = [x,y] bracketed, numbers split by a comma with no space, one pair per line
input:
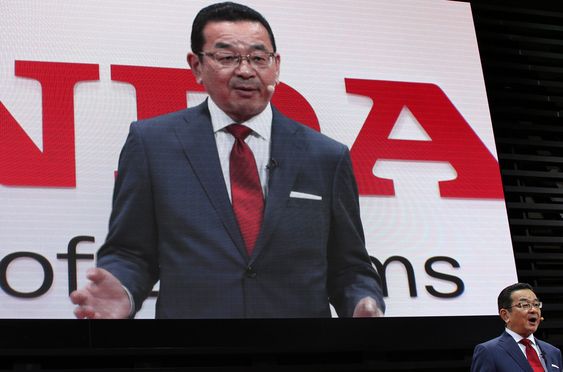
[260,124]
[517,337]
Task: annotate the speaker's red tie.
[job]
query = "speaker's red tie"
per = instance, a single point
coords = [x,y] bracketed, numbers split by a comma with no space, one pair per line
[246,190]
[532,356]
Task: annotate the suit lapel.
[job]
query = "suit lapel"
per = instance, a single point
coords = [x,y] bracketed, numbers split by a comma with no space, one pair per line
[287,148]
[511,347]
[546,357]
[199,145]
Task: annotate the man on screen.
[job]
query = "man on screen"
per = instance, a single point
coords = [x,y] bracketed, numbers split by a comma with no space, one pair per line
[236,209]
[517,349]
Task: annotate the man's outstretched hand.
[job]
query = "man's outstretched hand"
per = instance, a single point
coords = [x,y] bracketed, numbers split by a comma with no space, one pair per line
[367,308]
[103,298]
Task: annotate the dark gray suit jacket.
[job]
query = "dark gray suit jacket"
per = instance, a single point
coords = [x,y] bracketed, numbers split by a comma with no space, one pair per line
[172,221]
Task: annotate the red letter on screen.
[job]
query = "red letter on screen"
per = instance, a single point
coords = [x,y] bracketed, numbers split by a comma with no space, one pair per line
[22,163]
[293,105]
[159,90]
[453,140]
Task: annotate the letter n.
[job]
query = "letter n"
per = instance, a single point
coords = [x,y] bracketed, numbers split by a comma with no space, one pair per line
[22,163]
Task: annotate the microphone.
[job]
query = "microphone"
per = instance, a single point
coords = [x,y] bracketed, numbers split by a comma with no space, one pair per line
[272,164]
[272,87]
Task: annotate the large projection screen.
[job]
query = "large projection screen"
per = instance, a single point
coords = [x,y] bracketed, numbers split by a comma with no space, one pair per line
[399,82]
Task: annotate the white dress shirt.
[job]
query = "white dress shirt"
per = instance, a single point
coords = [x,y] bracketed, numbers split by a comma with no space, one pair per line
[258,141]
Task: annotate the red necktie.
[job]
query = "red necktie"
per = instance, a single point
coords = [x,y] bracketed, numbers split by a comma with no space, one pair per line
[532,356]
[246,190]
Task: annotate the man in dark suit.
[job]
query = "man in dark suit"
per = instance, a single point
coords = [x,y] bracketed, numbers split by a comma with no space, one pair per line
[517,349]
[256,219]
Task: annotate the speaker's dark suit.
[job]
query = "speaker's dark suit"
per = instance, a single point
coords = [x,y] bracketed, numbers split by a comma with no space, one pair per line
[502,354]
[172,220]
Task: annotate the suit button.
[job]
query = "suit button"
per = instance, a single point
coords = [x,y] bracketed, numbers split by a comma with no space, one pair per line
[250,273]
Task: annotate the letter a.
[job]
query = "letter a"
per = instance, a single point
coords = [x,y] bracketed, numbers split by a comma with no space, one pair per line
[453,140]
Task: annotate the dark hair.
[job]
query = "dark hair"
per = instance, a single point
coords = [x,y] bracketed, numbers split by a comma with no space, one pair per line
[226,11]
[505,297]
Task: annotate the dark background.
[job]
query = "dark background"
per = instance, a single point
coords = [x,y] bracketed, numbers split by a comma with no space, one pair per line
[521,47]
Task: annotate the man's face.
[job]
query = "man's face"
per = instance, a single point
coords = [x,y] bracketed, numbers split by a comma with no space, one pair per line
[242,91]
[523,322]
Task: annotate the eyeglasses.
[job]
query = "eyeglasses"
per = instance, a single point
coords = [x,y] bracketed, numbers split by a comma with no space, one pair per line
[257,59]
[527,305]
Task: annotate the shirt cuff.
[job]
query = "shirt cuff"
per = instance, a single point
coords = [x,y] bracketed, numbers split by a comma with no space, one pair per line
[131,302]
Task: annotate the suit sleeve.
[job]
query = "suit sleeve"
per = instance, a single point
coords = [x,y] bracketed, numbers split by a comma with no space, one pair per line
[482,361]
[130,249]
[351,275]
